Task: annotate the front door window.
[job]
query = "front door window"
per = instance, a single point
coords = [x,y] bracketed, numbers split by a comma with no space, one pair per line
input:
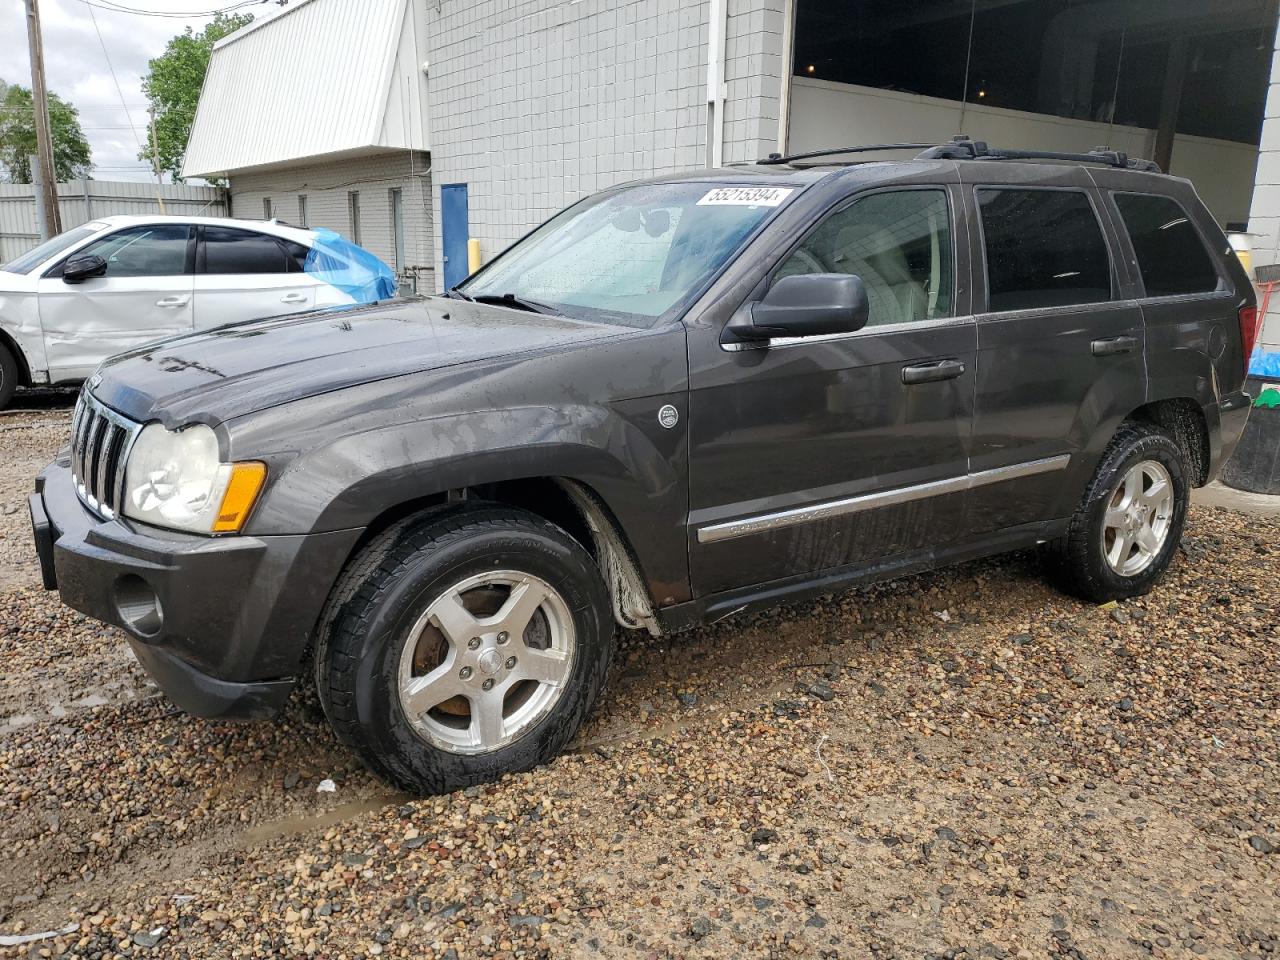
[151,251]
[899,243]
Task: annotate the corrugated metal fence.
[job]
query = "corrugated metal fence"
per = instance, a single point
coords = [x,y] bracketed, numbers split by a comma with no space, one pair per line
[83,200]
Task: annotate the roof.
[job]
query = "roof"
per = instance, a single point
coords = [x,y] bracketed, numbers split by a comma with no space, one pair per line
[987,170]
[321,78]
[300,234]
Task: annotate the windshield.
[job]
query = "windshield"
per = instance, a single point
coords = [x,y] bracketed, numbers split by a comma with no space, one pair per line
[628,257]
[51,248]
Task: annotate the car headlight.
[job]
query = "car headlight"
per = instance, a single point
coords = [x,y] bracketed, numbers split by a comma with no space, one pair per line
[175,479]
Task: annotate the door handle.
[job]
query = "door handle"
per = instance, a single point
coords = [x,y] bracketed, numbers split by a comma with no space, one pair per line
[173,301]
[932,371]
[1112,346]
[294,298]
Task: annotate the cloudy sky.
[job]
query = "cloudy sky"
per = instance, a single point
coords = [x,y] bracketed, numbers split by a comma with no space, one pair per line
[76,66]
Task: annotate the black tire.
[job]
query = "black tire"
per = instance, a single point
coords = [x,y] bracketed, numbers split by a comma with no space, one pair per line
[390,585]
[1078,559]
[8,376]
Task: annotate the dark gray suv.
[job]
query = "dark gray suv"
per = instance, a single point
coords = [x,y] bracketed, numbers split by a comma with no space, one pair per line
[676,400]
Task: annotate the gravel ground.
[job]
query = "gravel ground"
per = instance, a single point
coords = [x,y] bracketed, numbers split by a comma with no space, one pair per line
[963,764]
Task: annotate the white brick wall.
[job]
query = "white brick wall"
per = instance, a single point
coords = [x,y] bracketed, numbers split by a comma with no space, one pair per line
[1264,216]
[536,103]
[327,187]
[753,75]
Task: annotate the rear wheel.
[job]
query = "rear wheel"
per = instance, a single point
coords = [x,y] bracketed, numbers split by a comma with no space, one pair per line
[1124,532]
[8,375]
[463,647]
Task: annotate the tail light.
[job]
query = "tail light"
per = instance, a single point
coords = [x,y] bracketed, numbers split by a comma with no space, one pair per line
[1249,323]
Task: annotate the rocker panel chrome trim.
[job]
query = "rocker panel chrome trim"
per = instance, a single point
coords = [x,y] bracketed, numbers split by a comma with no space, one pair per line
[766,522]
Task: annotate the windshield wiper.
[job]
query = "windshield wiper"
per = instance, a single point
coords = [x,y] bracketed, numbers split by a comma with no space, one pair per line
[457,294]
[511,300]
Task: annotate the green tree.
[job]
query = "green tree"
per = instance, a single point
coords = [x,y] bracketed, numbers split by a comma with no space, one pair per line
[71,154]
[172,86]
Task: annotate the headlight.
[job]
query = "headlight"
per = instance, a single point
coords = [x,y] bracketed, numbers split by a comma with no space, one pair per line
[174,479]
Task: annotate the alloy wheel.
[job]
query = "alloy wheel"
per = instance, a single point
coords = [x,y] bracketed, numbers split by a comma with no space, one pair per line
[1138,518]
[487,660]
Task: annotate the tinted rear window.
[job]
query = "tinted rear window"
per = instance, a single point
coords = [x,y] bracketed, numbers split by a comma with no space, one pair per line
[1171,255]
[228,250]
[1044,249]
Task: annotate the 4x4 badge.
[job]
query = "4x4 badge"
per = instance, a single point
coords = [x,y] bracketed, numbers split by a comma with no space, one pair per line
[668,416]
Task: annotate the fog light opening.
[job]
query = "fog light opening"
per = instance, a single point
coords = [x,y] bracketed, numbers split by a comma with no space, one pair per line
[138,606]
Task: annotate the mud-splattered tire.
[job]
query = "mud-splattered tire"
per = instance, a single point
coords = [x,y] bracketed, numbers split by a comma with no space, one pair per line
[462,646]
[1128,525]
[8,376]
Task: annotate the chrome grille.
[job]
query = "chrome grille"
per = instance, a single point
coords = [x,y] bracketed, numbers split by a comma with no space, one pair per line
[100,442]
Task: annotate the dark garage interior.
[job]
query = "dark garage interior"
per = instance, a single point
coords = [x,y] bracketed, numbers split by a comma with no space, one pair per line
[1158,64]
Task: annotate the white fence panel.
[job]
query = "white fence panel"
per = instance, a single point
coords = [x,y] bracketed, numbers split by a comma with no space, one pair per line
[83,200]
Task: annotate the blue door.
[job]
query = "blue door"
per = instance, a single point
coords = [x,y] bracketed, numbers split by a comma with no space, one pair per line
[455,232]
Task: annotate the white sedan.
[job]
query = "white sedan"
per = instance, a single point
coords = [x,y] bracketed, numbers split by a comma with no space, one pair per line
[116,283]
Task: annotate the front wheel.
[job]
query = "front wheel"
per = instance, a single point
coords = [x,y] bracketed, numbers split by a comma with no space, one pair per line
[463,647]
[1129,523]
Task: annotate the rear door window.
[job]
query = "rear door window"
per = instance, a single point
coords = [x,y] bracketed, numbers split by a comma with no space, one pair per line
[1044,248]
[231,251]
[1171,256]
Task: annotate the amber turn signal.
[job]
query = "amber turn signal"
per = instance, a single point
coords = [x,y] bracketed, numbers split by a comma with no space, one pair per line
[242,492]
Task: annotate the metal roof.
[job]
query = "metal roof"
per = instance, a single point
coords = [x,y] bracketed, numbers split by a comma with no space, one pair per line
[323,77]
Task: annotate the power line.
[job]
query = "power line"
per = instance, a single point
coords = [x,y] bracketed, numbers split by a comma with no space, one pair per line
[112,7]
[112,69]
[79,106]
[120,93]
[27,115]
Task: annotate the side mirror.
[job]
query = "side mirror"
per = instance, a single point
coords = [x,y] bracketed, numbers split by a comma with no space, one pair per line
[805,305]
[80,269]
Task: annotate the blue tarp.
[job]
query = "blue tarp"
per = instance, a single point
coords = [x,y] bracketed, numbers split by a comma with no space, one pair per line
[353,270]
[1265,364]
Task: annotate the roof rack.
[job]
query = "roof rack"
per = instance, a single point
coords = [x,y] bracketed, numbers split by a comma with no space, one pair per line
[964,148]
[777,158]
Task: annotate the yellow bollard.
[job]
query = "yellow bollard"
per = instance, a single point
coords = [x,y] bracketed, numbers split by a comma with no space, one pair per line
[473,256]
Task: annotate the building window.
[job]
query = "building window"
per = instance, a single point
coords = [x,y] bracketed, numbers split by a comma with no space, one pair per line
[302,210]
[397,226]
[266,208]
[353,212]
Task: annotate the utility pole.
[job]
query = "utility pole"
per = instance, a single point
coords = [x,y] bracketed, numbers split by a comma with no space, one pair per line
[48,181]
[155,158]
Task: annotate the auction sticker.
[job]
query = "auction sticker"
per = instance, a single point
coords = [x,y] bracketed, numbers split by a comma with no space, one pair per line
[745,196]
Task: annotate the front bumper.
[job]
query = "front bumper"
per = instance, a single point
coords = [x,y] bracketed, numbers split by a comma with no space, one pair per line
[220,623]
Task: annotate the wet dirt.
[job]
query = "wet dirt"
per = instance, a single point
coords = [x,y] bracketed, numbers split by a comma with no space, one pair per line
[963,761]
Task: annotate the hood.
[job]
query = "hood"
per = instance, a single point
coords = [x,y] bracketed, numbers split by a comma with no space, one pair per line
[17,282]
[231,371]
